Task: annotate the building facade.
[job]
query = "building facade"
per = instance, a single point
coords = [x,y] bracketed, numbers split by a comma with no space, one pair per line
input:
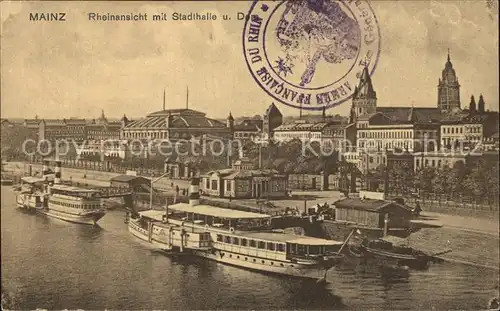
[174,125]
[240,182]
[448,89]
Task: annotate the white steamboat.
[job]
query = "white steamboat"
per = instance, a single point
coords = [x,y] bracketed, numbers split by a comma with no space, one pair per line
[72,204]
[234,237]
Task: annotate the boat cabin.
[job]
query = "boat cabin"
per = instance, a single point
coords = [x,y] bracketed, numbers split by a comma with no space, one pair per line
[307,247]
[220,218]
[153,224]
[32,184]
[83,193]
[73,197]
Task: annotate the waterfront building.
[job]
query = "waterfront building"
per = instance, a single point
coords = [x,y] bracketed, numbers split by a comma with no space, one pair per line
[242,182]
[371,213]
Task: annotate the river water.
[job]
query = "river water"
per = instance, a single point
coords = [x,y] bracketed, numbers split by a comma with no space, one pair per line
[50,264]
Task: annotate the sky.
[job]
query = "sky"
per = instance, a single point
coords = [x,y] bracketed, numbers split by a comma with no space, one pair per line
[78,67]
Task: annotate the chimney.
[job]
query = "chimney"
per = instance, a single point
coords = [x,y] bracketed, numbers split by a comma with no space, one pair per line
[45,168]
[57,177]
[194,192]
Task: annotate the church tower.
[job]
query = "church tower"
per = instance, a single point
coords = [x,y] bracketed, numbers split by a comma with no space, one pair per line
[448,89]
[364,99]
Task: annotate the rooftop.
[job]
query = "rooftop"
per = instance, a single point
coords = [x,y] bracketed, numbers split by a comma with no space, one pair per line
[73,189]
[178,118]
[216,211]
[368,204]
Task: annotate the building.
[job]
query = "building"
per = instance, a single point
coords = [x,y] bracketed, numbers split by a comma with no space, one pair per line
[241,182]
[399,161]
[378,132]
[469,128]
[272,119]
[248,130]
[65,129]
[443,159]
[448,89]
[371,213]
[300,129]
[103,139]
[174,125]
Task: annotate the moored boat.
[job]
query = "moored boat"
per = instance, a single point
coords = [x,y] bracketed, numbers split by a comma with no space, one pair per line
[73,204]
[234,237]
[30,194]
[394,248]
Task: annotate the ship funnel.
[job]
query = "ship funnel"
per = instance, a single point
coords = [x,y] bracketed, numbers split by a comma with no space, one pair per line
[57,177]
[194,192]
[45,168]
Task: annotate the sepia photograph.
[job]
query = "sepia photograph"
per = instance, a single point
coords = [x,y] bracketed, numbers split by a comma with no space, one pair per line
[250,155]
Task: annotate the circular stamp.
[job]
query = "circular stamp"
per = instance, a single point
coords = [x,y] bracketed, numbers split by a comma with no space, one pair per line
[309,54]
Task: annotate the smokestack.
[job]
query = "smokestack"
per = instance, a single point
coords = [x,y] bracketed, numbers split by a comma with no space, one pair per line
[45,168]
[57,177]
[194,193]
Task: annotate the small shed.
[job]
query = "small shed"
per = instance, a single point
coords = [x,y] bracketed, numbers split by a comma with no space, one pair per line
[371,213]
[134,183]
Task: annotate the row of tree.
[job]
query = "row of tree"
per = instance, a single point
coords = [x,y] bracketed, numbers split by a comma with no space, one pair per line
[477,179]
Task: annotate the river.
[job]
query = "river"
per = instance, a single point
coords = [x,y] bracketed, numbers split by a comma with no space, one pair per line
[50,264]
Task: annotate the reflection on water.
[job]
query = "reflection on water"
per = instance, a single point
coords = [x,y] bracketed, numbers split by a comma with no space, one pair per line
[47,263]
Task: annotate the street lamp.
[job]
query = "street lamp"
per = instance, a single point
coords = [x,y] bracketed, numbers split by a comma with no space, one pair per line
[151,190]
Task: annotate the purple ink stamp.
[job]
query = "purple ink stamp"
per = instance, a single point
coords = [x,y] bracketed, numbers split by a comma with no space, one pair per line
[309,54]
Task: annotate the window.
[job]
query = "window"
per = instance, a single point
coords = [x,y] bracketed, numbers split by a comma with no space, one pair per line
[228,185]
[214,185]
[270,246]
[281,247]
[236,241]
[207,183]
[253,243]
[418,163]
[261,245]
[244,242]
[219,238]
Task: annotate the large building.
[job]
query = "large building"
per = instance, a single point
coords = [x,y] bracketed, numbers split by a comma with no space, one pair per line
[415,129]
[65,129]
[469,128]
[448,89]
[175,125]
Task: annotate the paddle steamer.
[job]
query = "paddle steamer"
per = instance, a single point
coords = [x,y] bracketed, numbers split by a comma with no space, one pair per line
[234,237]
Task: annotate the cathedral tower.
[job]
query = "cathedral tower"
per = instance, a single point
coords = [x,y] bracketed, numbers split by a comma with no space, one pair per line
[448,89]
[364,99]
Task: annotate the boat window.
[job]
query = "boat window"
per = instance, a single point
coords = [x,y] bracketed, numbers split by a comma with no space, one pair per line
[236,241]
[281,247]
[270,246]
[244,242]
[261,245]
[301,249]
[227,239]
[219,238]
[253,243]
[314,249]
